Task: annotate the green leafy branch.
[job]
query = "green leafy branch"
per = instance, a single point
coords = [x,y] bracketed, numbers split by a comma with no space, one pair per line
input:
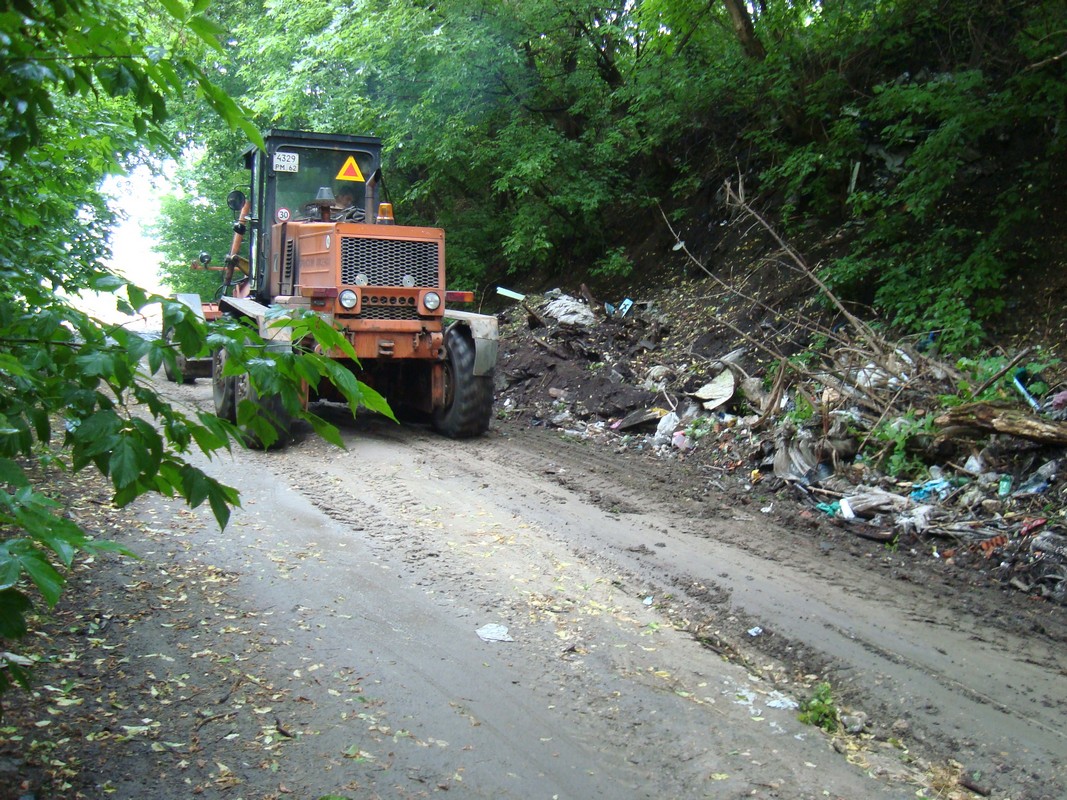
[94,377]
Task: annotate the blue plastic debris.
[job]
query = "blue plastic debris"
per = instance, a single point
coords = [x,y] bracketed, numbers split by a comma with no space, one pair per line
[939,487]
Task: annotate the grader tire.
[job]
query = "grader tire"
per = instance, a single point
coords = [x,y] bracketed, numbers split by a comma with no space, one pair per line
[268,407]
[223,387]
[468,397]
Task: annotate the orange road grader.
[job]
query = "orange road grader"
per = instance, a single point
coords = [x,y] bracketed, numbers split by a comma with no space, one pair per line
[321,238]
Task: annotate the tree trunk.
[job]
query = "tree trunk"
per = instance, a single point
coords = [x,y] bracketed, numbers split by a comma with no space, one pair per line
[746,34]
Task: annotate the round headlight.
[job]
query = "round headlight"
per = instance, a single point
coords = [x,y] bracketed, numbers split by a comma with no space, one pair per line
[348,298]
[432,301]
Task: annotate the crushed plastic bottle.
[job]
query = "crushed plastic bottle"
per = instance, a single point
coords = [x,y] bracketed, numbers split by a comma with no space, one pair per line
[1039,482]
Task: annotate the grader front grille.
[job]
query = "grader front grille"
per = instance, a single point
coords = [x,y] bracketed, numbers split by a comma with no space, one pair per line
[387,262]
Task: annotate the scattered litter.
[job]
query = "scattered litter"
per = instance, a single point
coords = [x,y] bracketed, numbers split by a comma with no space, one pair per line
[666,428]
[567,310]
[639,417]
[621,310]
[1050,544]
[494,632]
[756,631]
[854,723]
[1031,526]
[918,519]
[779,700]
[718,392]
[795,460]
[744,696]
[1035,485]
[842,436]
[939,488]
[648,600]
[1004,486]
[1018,381]
[876,501]
[1039,482]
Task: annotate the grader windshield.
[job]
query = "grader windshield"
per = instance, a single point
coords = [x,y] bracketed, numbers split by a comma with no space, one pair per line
[309,180]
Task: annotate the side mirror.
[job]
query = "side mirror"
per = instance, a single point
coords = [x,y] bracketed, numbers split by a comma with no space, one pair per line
[235,200]
[205,259]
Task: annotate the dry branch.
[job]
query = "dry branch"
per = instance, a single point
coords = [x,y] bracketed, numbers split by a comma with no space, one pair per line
[857,324]
[799,320]
[1002,372]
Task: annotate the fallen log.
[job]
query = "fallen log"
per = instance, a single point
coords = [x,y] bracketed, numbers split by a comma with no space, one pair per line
[1004,419]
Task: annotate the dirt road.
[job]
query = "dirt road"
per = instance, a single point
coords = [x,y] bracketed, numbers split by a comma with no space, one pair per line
[327,643]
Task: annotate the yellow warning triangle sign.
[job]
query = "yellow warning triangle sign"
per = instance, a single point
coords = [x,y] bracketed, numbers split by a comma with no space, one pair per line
[350,171]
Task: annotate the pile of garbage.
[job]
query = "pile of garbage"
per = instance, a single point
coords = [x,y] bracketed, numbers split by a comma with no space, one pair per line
[857,432]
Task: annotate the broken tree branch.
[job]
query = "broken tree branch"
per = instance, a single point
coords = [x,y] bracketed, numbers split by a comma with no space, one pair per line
[799,320]
[775,397]
[1002,419]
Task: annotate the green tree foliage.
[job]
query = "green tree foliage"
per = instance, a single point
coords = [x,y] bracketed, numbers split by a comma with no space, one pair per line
[194,218]
[541,134]
[505,136]
[937,130]
[192,228]
[87,87]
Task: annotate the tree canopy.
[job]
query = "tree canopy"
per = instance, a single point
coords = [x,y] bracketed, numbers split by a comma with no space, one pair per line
[542,134]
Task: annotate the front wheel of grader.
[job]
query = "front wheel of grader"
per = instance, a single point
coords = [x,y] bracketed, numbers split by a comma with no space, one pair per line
[175,372]
[222,387]
[268,408]
[468,397]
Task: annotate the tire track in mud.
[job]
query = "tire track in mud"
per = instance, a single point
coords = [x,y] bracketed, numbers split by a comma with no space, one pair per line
[893,648]
[899,652]
[389,517]
[563,610]
[390,513]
